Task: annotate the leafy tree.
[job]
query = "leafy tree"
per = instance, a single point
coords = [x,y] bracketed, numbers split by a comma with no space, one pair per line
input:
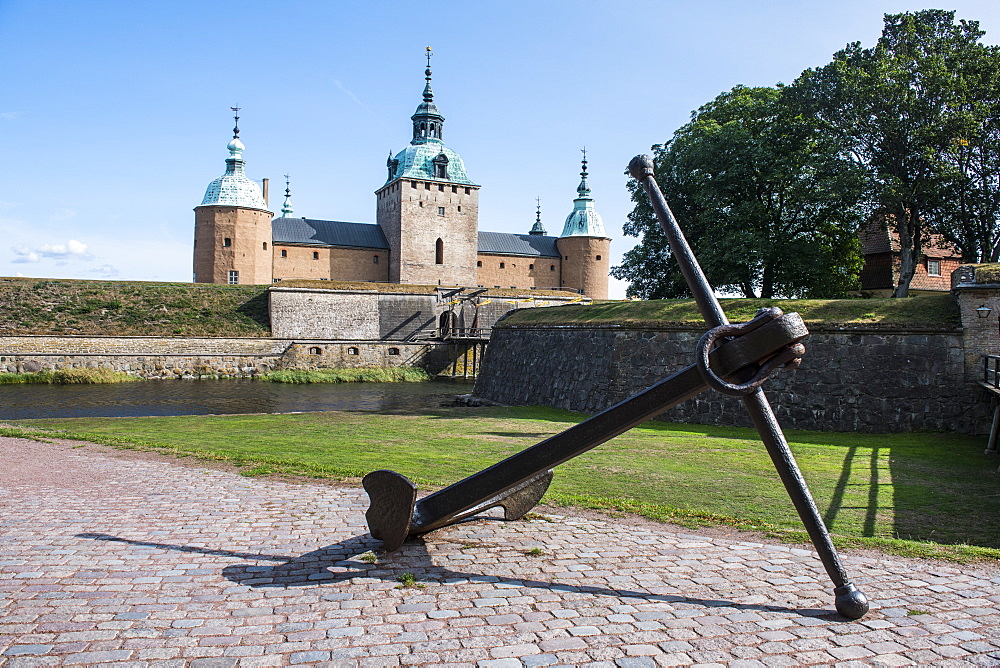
[970,215]
[765,198]
[897,107]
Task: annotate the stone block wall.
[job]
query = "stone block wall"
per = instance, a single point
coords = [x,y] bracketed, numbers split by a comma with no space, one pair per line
[164,357]
[872,381]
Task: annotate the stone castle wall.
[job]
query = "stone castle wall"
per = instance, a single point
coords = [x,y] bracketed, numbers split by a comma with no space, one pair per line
[168,357]
[872,381]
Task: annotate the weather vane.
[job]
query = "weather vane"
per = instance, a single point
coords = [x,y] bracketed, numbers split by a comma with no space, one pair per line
[429,54]
[236,117]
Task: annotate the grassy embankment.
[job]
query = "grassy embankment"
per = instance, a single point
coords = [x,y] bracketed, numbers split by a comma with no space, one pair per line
[67,377]
[912,494]
[397,374]
[933,313]
[125,308]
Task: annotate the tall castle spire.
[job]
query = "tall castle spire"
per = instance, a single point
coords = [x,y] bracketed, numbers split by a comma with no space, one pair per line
[537,228]
[286,207]
[234,188]
[584,221]
[427,120]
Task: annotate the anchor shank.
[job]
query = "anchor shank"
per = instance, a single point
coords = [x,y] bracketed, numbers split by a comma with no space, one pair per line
[850,602]
[441,507]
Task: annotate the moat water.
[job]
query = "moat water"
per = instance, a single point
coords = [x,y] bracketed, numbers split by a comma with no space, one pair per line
[218,397]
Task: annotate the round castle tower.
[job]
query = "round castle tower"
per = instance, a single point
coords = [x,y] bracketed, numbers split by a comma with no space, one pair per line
[232,227]
[584,245]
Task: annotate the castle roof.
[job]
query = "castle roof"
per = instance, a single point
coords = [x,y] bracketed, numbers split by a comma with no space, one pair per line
[503,243]
[327,233]
[417,161]
[311,232]
[234,188]
[427,157]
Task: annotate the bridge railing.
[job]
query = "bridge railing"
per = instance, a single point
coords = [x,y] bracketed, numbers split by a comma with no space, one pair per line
[991,370]
[465,333]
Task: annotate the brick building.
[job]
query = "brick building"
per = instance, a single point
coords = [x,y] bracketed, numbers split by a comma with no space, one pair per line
[426,230]
[881,250]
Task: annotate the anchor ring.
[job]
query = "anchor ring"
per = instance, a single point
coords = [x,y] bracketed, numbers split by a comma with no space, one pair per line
[788,357]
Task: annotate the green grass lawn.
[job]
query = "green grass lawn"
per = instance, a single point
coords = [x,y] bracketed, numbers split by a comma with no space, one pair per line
[872,489]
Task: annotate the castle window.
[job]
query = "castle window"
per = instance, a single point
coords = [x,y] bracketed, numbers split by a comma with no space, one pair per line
[439,252]
[466,191]
[234,277]
[284,253]
[265,245]
[598,258]
[375,259]
[315,350]
[502,265]
[352,351]
[413,184]
[552,267]
[460,208]
[227,242]
[441,169]
[440,210]
[479,263]
[531,266]
[427,186]
[454,189]
[315,255]
[933,267]
[393,351]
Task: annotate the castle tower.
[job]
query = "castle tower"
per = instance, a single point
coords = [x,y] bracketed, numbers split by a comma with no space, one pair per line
[428,208]
[232,226]
[584,245]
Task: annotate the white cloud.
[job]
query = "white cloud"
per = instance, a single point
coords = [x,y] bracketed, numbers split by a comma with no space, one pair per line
[71,250]
[9,115]
[106,270]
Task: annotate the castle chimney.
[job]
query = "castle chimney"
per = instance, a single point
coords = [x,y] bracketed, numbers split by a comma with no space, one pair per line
[264,190]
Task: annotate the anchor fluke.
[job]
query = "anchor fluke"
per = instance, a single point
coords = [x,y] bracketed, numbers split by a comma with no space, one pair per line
[392,499]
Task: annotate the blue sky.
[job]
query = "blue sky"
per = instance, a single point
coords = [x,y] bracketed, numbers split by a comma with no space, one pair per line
[114,116]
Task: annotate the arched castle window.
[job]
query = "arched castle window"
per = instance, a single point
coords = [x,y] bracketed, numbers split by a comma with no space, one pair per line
[502,265]
[479,263]
[352,351]
[598,258]
[315,255]
[439,251]
[393,351]
[284,253]
[265,245]
[552,267]
[315,350]
[375,259]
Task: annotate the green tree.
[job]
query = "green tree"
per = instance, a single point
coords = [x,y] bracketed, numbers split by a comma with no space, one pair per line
[969,216]
[897,107]
[766,199]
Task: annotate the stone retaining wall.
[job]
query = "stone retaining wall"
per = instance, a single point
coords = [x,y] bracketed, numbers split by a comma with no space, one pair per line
[168,357]
[873,381]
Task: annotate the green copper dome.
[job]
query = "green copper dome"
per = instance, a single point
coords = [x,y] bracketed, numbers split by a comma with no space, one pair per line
[584,221]
[427,157]
[234,188]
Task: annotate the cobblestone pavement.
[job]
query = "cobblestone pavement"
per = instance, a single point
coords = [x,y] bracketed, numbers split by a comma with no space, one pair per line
[107,559]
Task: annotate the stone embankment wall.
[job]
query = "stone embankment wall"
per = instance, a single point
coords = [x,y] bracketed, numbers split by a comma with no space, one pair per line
[169,357]
[312,313]
[873,381]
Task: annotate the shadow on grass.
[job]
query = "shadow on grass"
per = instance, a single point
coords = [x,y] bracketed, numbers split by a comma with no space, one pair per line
[338,563]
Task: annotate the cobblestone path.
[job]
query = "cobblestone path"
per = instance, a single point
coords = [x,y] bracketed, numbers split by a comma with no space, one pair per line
[121,560]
